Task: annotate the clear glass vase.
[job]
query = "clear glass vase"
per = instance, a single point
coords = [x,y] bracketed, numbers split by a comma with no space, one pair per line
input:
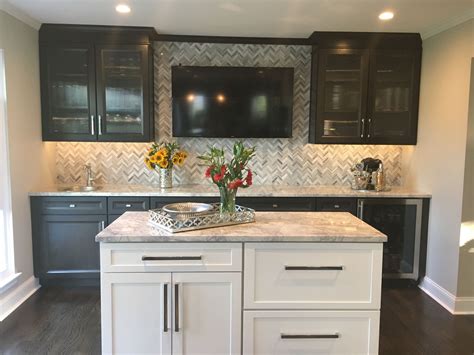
[166,178]
[227,200]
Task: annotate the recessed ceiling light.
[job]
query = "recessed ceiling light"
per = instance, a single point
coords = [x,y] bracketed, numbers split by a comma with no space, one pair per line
[386,15]
[122,8]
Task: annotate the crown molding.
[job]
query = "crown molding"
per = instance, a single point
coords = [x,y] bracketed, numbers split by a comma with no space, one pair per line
[446,25]
[20,15]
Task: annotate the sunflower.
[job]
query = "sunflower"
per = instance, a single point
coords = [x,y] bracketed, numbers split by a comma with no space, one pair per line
[176,159]
[163,164]
[184,154]
[180,161]
[149,164]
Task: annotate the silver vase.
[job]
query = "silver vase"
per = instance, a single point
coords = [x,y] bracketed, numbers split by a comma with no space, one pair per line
[166,178]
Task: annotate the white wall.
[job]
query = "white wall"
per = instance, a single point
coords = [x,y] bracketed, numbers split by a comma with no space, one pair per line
[31,160]
[466,255]
[437,162]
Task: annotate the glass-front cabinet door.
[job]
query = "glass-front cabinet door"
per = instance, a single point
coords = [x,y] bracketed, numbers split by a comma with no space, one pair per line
[341,103]
[68,93]
[392,97]
[123,93]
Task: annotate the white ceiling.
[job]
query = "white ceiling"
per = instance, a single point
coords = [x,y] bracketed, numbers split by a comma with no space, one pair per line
[258,18]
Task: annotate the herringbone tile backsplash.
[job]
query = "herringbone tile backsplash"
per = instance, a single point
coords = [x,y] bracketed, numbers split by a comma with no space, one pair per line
[278,161]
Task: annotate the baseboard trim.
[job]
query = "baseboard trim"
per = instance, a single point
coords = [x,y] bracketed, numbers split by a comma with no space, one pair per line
[17,296]
[464,305]
[455,305]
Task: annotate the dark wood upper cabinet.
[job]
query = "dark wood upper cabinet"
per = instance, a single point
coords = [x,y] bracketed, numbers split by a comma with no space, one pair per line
[96,83]
[364,88]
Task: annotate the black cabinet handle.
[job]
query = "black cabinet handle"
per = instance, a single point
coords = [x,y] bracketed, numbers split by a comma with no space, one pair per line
[317,268]
[309,336]
[176,308]
[181,258]
[165,308]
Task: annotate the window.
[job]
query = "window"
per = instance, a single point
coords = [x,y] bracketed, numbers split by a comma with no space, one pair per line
[6,235]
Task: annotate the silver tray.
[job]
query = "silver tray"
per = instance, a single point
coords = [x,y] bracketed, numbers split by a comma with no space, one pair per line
[161,219]
[184,210]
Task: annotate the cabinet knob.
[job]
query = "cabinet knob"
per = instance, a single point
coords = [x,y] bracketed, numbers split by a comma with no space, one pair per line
[72,205]
[275,205]
[337,206]
[128,205]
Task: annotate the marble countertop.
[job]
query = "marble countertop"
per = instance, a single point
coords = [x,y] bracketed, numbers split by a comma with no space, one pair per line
[269,227]
[254,191]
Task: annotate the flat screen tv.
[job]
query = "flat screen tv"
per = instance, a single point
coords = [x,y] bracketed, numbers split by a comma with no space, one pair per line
[241,102]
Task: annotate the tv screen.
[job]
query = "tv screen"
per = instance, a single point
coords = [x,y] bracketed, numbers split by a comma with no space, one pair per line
[241,102]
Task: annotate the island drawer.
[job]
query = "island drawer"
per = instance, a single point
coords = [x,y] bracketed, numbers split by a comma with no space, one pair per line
[312,275]
[119,205]
[170,257]
[310,332]
[71,205]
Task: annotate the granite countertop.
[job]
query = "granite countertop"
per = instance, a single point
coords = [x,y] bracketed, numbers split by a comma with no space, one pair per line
[269,227]
[211,190]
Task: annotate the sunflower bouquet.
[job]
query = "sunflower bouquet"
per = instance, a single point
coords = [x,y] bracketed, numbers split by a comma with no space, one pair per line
[164,155]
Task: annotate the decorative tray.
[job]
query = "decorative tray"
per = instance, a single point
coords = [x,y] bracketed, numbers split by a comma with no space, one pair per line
[174,223]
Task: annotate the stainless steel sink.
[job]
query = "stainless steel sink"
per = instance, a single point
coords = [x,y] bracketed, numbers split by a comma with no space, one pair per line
[80,188]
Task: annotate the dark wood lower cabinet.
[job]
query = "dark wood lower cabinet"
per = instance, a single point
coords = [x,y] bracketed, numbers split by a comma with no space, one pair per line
[67,247]
[64,228]
[337,204]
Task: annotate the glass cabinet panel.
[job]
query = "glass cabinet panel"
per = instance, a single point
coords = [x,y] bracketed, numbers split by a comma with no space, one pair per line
[122,90]
[342,85]
[400,220]
[390,99]
[69,91]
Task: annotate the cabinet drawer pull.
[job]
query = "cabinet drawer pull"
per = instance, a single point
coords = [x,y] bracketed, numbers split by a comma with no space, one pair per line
[72,205]
[182,258]
[128,205]
[337,206]
[165,308]
[176,308]
[309,336]
[275,205]
[318,268]
[362,129]
[102,225]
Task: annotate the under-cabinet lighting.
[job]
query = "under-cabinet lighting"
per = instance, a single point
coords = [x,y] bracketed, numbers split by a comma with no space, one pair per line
[122,8]
[386,15]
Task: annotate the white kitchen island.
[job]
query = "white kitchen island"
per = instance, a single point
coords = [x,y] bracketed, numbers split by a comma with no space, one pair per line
[290,283]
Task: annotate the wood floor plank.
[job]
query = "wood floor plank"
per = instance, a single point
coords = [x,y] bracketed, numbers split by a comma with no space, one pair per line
[58,320]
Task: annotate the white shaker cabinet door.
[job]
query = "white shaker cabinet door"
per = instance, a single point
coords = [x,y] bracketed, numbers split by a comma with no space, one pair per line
[136,312]
[206,313]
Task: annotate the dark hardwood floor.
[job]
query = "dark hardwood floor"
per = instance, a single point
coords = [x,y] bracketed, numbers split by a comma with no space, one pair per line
[67,321]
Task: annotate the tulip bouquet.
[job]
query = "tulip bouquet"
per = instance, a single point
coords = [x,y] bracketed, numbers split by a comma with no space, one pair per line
[229,176]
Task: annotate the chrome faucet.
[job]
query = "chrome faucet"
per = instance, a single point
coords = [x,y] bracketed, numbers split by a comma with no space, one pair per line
[89,178]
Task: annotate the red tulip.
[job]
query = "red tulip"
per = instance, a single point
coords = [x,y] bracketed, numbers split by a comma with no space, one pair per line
[208,172]
[217,177]
[235,184]
[248,178]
